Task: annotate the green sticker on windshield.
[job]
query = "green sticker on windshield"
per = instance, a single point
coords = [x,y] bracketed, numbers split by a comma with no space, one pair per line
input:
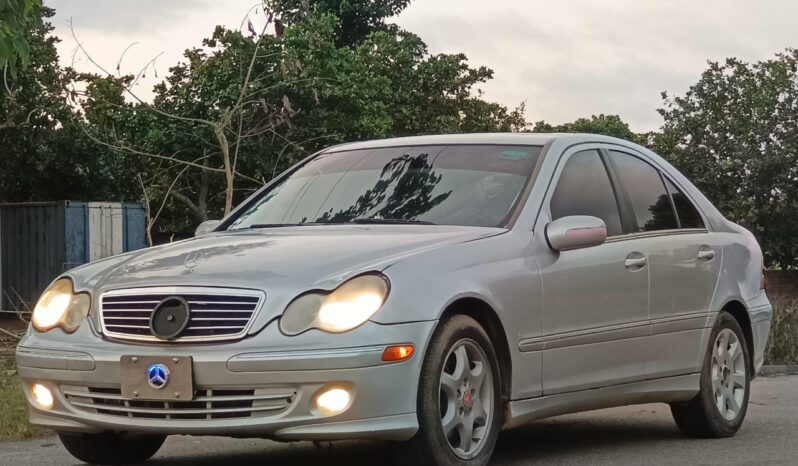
[514,154]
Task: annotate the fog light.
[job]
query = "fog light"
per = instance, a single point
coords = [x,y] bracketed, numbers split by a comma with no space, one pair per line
[333,401]
[42,396]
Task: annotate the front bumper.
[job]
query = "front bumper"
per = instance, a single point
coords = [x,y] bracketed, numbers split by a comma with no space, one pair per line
[264,384]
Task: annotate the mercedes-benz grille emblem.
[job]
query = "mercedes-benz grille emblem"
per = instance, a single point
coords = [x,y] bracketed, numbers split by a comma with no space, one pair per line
[170,317]
[157,376]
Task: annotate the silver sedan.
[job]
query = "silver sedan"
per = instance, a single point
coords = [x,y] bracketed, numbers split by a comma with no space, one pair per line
[430,291]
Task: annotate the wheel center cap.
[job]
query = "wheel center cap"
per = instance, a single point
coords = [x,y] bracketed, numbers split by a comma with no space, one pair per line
[468,400]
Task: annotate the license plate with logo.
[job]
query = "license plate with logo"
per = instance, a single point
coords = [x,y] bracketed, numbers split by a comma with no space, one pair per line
[157,378]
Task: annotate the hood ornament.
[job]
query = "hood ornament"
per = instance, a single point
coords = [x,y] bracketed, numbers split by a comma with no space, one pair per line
[193,259]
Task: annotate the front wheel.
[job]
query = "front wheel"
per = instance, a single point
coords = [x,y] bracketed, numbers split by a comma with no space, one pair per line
[720,406]
[459,398]
[111,448]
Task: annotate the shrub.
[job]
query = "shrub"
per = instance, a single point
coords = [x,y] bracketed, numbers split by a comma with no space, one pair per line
[783,343]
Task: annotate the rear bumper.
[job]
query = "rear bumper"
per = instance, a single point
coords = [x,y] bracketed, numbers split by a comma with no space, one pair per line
[85,381]
[761,312]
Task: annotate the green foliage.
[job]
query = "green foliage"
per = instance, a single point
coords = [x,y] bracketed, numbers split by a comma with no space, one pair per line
[735,135]
[310,90]
[44,155]
[607,125]
[783,342]
[17,17]
[357,18]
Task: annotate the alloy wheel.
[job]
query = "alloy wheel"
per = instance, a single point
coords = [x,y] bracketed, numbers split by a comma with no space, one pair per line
[728,374]
[466,398]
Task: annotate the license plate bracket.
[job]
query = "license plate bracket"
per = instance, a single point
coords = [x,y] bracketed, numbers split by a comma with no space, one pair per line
[173,374]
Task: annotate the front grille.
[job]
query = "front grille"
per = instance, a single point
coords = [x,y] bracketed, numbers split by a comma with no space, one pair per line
[216,313]
[207,404]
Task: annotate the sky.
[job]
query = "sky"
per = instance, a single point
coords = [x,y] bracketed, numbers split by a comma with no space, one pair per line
[566,59]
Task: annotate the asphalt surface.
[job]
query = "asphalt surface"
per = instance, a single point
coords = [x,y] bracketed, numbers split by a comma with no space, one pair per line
[635,435]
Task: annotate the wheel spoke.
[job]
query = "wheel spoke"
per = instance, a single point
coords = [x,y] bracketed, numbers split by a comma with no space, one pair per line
[735,352]
[461,363]
[480,415]
[450,422]
[466,431]
[723,343]
[731,401]
[738,380]
[449,385]
[715,377]
[477,375]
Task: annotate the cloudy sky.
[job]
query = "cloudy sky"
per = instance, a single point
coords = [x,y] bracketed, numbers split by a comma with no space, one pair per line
[565,59]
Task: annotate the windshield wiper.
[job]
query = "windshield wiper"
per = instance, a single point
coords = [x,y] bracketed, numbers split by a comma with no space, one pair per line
[280,225]
[387,221]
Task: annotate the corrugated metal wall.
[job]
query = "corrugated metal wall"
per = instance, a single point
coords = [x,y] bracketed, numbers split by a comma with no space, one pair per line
[32,249]
[39,241]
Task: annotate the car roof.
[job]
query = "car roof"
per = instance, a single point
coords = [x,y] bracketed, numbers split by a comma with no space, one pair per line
[530,139]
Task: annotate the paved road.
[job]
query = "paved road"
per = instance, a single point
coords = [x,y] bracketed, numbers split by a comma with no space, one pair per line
[634,435]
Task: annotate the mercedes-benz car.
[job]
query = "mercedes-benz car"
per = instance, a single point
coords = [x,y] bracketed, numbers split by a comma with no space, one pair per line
[429,290]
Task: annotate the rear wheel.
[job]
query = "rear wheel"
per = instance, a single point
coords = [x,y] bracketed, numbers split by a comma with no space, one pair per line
[719,408]
[459,398]
[111,448]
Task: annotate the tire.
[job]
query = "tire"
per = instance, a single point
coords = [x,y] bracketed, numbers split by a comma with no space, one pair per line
[720,406]
[446,394]
[111,448]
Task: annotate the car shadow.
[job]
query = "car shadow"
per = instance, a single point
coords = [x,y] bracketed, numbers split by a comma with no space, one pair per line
[556,440]
[546,441]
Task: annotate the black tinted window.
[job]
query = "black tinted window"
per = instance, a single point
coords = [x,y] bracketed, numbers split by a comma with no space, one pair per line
[584,189]
[688,214]
[652,207]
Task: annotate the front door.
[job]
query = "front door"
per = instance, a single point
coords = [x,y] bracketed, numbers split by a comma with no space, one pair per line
[595,300]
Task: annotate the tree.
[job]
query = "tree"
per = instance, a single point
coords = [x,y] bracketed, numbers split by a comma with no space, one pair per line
[357,18]
[44,156]
[735,134]
[18,17]
[302,90]
[607,125]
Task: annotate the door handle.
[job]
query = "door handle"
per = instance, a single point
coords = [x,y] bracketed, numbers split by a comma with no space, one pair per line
[635,261]
[706,253]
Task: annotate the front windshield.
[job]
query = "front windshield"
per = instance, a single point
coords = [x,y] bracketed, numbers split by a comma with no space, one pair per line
[475,185]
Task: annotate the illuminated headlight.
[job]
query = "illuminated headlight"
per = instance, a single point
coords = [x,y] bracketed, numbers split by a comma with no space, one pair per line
[61,307]
[343,309]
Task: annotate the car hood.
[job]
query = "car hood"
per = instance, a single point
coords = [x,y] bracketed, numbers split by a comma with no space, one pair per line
[292,259]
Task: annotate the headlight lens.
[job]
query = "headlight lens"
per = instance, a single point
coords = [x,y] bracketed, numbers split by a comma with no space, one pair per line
[59,306]
[345,308]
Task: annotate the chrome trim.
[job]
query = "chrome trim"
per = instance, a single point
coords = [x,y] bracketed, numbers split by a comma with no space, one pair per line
[640,329]
[180,290]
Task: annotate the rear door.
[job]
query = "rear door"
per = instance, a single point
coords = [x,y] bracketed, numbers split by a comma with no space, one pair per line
[683,261]
[595,300]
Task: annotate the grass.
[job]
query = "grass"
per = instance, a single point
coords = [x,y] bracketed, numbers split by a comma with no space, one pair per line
[13,406]
[783,343]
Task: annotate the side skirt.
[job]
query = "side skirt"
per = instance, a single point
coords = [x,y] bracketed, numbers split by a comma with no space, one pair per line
[664,390]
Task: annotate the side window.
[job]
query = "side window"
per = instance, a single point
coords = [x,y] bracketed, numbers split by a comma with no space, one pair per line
[584,189]
[650,202]
[688,214]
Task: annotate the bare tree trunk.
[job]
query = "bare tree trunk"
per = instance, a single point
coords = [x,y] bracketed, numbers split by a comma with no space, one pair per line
[202,198]
[224,145]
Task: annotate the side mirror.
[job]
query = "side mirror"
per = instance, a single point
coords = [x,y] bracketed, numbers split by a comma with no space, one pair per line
[575,232]
[206,227]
